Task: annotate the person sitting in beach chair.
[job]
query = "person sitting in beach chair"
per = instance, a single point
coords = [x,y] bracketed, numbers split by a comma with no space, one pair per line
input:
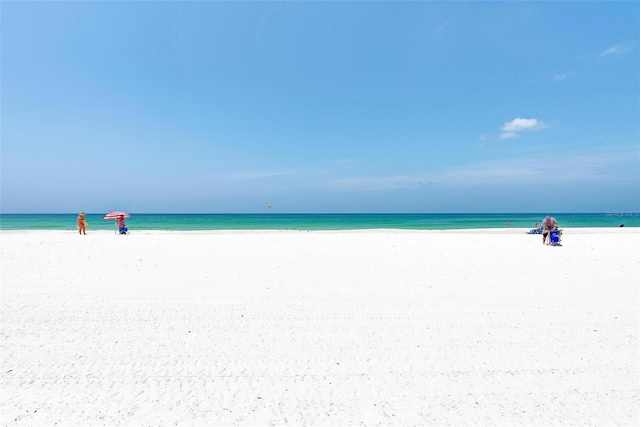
[554,237]
[122,227]
[536,229]
[548,223]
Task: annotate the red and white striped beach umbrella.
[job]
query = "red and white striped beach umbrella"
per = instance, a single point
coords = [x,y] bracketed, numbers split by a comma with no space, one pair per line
[115,214]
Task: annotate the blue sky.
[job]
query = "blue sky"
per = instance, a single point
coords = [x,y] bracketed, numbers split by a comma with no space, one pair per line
[227,107]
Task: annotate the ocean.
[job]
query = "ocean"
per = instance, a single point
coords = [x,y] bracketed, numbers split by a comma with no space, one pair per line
[193,222]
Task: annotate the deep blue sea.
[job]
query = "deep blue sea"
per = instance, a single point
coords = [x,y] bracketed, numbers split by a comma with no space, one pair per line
[185,222]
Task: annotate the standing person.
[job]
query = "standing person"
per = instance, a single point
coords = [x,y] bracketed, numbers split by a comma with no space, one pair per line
[548,223]
[82,224]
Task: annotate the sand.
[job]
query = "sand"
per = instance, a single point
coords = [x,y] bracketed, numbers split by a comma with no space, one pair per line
[320,328]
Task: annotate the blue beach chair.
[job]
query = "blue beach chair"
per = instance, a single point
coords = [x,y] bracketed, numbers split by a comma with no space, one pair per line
[554,237]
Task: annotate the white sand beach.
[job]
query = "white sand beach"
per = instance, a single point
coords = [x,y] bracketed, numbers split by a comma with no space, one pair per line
[320,328]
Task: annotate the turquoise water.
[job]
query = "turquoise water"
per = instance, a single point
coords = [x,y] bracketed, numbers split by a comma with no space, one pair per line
[185,222]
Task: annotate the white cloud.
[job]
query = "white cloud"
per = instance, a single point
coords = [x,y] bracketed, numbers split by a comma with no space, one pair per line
[514,127]
[562,76]
[614,50]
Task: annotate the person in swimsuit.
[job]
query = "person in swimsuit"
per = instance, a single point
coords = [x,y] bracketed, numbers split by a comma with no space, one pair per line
[82,224]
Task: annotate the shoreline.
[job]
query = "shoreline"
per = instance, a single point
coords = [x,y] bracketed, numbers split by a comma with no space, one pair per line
[505,230]
[329,222]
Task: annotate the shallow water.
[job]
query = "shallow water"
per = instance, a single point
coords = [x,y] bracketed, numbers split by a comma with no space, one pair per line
[182,222]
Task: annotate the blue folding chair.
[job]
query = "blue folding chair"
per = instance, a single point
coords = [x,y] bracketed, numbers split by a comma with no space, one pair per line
[554,237]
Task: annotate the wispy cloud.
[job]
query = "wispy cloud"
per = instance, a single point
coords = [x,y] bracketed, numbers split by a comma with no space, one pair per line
[440,28]
[555,170]
[516,126]
[538,170]
[248,176]
[382,183]
[562,76]
[615,50]
[346,162]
